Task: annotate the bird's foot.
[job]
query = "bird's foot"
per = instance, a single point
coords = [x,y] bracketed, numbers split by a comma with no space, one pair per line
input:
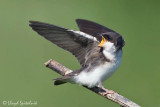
[107,92]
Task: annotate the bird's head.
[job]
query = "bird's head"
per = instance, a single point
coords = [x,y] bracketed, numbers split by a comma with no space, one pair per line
[111,41]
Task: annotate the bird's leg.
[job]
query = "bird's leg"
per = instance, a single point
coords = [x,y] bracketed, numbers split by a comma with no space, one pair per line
[107,91]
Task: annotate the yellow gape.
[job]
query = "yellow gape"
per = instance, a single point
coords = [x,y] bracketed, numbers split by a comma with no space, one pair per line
[102,42]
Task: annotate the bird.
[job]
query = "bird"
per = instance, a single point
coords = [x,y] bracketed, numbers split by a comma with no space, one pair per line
[97,48]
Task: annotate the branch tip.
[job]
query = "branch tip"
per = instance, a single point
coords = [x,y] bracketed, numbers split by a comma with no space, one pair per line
[48,62]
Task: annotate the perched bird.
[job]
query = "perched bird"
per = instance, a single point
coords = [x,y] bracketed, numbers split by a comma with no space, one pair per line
[97,48]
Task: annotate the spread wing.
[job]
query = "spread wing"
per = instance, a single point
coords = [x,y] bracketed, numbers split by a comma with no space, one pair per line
[92,28]
[76,42]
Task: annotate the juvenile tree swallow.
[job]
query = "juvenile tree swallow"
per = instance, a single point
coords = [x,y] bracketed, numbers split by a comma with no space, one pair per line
[97,48]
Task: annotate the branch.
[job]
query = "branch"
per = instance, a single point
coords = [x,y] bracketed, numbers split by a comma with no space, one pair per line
[115,97]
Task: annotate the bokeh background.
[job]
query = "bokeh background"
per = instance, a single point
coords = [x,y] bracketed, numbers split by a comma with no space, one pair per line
[23,76]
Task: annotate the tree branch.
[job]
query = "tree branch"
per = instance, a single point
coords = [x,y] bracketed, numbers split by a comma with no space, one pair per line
[115,97]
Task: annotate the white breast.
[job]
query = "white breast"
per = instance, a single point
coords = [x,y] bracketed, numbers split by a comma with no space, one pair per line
[100,73]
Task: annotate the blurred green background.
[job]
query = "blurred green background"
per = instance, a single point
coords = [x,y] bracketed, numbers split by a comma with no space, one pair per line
[23,76]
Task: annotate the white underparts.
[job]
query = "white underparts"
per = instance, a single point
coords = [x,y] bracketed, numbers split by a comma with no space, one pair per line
[103,71]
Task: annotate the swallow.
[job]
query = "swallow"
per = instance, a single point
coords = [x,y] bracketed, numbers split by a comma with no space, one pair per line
[98,49]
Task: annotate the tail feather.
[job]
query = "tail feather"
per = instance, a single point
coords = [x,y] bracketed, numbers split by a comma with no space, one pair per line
[59,82]
[64,79]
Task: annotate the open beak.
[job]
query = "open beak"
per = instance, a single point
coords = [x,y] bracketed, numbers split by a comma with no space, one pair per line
[102,42]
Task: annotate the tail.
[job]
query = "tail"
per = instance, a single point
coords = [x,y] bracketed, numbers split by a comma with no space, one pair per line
[58,82]
[64,79]
[61,80]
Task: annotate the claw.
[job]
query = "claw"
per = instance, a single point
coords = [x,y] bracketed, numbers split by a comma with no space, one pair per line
[107,91]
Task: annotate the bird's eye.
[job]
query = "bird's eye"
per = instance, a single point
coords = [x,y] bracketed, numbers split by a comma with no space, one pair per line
[108,37]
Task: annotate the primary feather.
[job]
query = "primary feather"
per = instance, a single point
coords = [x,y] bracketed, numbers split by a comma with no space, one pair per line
[75,42]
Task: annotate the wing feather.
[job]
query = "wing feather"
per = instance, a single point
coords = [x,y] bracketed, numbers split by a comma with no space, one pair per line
[75,42]
[92,28]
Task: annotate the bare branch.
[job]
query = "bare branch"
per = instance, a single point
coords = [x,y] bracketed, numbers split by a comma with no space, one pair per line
[115,97]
